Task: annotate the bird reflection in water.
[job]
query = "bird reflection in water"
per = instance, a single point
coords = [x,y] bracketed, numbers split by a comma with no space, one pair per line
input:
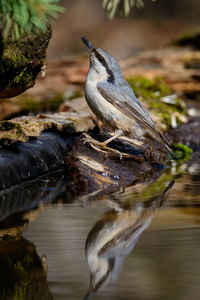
[114,236]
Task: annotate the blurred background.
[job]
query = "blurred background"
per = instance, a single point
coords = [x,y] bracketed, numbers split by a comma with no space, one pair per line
[49,261]
[151,27]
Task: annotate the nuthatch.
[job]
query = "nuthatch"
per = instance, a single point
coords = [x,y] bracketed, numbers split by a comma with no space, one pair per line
[112,100]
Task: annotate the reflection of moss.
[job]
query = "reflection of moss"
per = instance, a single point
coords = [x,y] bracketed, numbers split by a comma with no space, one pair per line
[20,268]
[22,275]
[152,92]
[20,293]
[156,187]
[11,234]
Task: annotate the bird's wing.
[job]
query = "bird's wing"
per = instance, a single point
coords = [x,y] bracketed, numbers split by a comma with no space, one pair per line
[123,98]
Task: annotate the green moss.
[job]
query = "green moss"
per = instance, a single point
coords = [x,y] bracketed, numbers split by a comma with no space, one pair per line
[32,105]
[182,152]
[152,92]
[75,94]
[52,104]
[7,126]
[12,131]
[21,60]
[14,59]
[55,102]
[147,88]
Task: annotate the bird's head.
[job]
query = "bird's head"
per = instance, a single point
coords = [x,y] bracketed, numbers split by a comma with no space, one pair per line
[102,63]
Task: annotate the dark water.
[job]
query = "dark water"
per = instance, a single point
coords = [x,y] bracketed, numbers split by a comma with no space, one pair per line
[140,243]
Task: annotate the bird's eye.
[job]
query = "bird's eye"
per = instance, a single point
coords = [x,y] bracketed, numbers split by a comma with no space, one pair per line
[101,59]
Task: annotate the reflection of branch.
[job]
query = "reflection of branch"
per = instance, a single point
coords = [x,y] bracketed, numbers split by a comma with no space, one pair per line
[114,236]
[124,6]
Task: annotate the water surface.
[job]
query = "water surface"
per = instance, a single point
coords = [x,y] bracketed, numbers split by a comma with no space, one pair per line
[164,235]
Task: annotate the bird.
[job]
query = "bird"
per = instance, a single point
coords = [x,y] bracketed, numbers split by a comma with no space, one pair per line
[113,101]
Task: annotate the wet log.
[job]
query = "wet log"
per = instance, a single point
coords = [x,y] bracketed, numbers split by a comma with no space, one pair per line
[95,173]
[22,161]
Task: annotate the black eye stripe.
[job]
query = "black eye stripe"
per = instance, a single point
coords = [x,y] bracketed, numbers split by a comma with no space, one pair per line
[99,57]
[104,63]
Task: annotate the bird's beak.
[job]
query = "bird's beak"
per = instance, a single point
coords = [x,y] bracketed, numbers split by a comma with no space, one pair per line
[87,44]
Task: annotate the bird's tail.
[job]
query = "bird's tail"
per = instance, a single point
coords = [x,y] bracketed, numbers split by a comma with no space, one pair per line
[164,141]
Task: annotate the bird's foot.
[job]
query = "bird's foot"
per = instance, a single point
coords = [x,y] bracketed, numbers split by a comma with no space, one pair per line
[98,145]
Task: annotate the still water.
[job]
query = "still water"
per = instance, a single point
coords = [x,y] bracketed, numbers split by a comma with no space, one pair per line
[139,243]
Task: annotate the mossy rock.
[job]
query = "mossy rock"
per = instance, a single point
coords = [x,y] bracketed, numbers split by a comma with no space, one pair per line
[21,61]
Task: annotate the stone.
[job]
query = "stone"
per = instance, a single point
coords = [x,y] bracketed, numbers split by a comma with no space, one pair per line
[27,126]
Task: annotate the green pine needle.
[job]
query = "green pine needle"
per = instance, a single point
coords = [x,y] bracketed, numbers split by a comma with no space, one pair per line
[124,6]
[23,16]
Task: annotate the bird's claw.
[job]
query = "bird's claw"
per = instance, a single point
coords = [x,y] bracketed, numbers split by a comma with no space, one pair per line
[97,145]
